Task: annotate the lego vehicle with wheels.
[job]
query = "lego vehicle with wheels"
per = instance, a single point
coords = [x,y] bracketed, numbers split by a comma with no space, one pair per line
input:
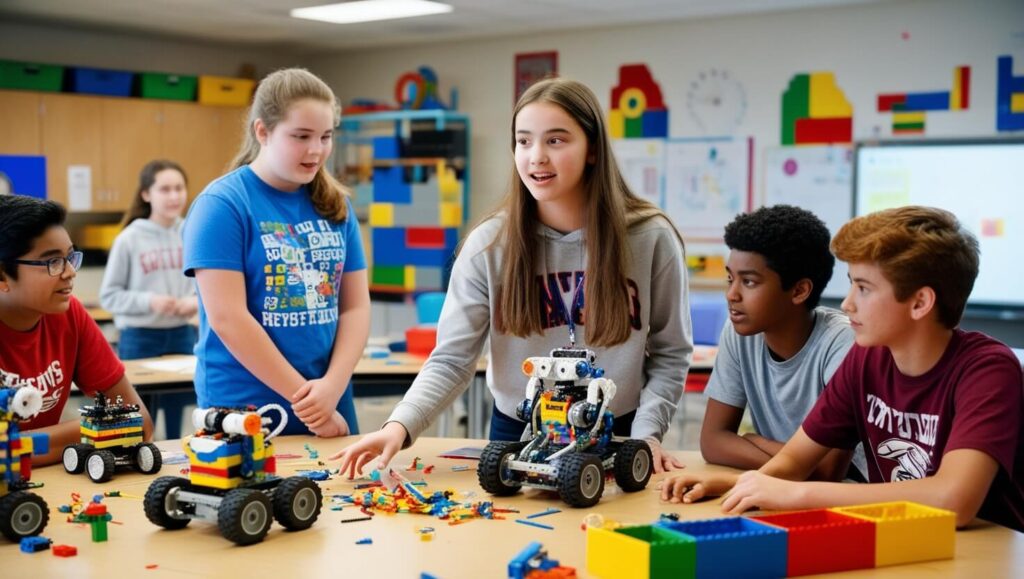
[111,440]
[570,449]
[232,480]
[22,512]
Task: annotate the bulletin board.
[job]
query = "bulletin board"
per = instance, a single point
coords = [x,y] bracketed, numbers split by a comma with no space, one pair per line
[708,182]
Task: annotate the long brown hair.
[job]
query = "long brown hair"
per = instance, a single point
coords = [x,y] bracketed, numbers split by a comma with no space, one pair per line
[611,209]
[274,95]
[140,208]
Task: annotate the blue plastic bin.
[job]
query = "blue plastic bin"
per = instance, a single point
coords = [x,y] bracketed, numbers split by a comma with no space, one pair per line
[102,82]
[735,547]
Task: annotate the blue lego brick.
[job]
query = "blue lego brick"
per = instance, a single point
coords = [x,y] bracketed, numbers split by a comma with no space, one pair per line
[1007,84]
[387,148]
[40,442]
[763,547]
[389,246]
[924,101]
[389,186]
[655,123]
[35,544]
[223,451]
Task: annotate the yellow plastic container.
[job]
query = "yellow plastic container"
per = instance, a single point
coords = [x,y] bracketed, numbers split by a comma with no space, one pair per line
[640,552]
[225,91]
[907,532]
[99,236]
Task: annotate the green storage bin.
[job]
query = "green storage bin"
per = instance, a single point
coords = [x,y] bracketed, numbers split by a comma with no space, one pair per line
[31,76]
[174,87]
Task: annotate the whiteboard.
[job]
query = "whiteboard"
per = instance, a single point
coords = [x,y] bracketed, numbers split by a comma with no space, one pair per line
[707,183]
[820,180]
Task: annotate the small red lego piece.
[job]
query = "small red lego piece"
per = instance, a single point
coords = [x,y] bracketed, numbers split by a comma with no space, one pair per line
[64,550]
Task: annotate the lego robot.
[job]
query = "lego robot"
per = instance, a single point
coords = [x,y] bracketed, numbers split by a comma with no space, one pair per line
[232,480]
[570,448]
[22,512]
[111,440]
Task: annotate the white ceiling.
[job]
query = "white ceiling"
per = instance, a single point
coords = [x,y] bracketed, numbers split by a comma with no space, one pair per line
[266,22]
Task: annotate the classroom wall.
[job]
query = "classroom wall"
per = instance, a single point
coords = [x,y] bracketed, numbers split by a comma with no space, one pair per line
[886,47]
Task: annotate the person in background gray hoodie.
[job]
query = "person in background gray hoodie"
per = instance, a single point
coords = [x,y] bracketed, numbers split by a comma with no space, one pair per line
[143,286]
[570,227]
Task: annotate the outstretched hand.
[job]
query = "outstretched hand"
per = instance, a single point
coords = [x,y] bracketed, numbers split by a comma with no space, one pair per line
[385,444]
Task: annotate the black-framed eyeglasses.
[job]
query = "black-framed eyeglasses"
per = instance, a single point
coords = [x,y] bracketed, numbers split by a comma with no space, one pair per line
[56,265]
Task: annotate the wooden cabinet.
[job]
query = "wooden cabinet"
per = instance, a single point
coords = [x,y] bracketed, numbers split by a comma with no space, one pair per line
[71,127]
[115,137]
[19,124]
[204,153]
[131,133]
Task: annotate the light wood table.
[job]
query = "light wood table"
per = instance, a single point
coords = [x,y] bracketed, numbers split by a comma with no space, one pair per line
[481,548]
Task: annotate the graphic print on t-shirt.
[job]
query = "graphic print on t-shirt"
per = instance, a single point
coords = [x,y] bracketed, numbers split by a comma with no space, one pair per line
[558,289]
[49,382]
[302,273]
[911,449]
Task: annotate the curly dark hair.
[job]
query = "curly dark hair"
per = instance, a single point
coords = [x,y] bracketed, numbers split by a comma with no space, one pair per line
[793,242]
[22,221]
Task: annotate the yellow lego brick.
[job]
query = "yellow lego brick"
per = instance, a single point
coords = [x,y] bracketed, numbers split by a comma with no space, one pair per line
[223,462]
[611,554]
[449,186]
[214,481]
[382,215]
[553,411]
[1017,102]
[92,433]
[410,278]
[3,427]
[3,468]
[26,446]
[907,118]
[827,99]
[127,441]
[907,532]
[616,124]
[450,214]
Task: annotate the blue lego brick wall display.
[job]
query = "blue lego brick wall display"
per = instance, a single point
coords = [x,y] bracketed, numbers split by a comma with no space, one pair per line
[763,547]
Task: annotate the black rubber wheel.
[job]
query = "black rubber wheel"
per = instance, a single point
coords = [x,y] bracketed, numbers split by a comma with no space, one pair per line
[147,458]
[74,457]
[297,501]
[162,507]
[633,465]
[493,472]
[244,516]
[22,514]
[100,466]
[581,480]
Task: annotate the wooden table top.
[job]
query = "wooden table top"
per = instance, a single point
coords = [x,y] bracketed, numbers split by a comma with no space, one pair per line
[480,548]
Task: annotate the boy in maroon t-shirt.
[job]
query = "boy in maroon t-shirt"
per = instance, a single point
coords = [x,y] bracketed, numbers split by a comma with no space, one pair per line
[940,411]
[47,339]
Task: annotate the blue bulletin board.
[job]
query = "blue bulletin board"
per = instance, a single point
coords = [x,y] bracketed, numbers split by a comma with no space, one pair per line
[25,174]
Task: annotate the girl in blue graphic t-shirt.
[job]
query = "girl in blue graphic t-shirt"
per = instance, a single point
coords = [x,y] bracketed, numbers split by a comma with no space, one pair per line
[275,248]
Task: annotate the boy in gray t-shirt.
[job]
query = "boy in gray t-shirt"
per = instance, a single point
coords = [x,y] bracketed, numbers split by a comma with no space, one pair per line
[781,349]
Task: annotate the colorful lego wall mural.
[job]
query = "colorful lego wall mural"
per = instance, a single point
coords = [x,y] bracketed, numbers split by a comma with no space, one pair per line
[637,107]
[815,111]
[1009,96]
[414,222]
[909,109]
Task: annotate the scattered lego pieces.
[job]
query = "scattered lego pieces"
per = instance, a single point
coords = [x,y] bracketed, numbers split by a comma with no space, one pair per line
[120,494]
[669,516]
[319,475]
[592,520]
[152,566]
[428,470]
[426,533]
[34,544]
[533,562]
[415,465]
[312,452]
[366,541]
[459,468]
[535,524]
[64,550]
[543,513]
[369,485]
[96,515]
[375,475]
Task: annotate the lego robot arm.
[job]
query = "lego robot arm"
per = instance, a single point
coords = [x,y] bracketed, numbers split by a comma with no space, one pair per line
[600,390]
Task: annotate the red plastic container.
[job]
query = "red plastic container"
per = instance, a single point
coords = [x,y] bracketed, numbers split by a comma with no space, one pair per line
[420,340]
[821,541]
